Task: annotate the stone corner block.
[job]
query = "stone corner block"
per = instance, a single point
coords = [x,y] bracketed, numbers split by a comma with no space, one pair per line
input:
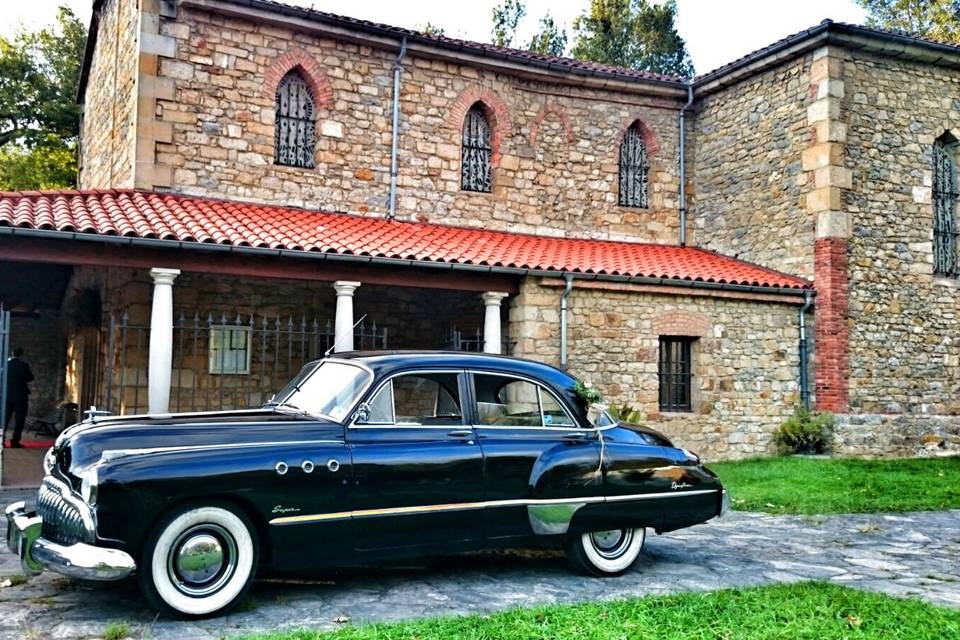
[834,224]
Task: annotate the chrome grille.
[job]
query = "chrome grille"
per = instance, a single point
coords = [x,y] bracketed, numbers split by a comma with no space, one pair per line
[65,518]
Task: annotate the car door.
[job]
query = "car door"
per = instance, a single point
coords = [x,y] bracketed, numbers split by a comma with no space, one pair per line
[417,468]
[534,453]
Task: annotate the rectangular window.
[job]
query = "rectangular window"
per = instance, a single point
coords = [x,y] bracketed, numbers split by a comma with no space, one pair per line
[229,352]
[675,374]
[509,402]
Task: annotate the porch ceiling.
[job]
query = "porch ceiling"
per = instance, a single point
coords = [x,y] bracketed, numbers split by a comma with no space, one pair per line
[28,288]
[175,221]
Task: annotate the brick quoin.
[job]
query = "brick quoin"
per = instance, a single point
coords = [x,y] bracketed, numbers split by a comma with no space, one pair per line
[649,138]
[682,323]
[313,74]
[496,110]
[832,354]
[546,110]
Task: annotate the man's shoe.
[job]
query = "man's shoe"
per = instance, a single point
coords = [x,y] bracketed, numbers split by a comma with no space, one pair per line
[16,445]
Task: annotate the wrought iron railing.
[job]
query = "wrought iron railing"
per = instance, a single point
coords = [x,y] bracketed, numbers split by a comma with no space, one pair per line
[219,361]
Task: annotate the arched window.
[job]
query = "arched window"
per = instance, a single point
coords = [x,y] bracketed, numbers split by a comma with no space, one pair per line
[295,131]
[945,192]
[477,151]
[634,169]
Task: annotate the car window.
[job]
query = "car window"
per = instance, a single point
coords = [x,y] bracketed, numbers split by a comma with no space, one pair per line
[429,399]
[509,402]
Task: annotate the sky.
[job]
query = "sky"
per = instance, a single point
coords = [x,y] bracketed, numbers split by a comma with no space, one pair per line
[716,31]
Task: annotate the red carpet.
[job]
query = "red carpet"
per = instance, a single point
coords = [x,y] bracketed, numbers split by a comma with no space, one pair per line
[31,444]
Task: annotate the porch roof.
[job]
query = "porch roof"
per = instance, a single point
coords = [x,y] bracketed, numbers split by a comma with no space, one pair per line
[202,222]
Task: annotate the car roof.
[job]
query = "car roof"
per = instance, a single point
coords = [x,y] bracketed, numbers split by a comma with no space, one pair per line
[383,362]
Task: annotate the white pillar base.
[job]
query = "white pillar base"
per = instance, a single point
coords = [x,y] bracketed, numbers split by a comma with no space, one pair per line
[161,340]
[492,341]
[343,325]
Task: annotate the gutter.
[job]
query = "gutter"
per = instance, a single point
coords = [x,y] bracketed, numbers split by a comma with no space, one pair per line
[564,309]
[803,350]
[397,69]
[150,243]
[683,166]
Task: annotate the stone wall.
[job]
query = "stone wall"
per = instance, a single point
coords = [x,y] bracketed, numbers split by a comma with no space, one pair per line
[746,367]
[904,355]
[41,337]
[748,187]
[109,104]
[556,146]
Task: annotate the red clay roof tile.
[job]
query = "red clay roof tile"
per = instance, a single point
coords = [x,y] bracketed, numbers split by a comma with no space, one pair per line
[189,219]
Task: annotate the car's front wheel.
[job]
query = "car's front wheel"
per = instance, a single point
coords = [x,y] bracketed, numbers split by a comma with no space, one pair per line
[199,560]
[606,553]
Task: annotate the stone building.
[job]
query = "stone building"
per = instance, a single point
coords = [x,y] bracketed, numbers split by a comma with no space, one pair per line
[257,178]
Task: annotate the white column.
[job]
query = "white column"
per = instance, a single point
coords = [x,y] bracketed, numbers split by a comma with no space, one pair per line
[491,321]
[343,325]
[161,340]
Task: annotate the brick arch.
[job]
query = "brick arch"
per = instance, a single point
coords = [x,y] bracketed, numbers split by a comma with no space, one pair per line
[546,110]
[649,138]
[313,74]
[496,110]
[682,323]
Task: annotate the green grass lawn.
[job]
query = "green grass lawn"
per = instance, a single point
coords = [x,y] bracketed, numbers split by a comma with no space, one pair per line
[808,610]
[806,485]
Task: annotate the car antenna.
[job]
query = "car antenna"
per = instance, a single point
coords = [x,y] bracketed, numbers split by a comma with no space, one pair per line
[337,339]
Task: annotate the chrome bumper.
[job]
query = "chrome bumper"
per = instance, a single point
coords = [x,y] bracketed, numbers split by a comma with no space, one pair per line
[724,503]
[84,561]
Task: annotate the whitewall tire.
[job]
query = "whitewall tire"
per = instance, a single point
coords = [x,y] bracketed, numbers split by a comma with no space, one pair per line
[199,561]
[606,553]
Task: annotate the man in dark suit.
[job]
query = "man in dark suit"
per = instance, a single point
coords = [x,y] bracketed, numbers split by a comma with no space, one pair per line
[19,377]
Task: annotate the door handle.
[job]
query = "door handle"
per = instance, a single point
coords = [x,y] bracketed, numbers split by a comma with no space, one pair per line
[574,437]
[461,433]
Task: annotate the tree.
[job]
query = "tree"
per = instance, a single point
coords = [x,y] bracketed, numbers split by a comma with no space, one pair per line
[39,116]
[550,40]
[632,33]
[935,19]
[506,17]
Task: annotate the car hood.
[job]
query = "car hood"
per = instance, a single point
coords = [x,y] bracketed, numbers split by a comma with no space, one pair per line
[85,443]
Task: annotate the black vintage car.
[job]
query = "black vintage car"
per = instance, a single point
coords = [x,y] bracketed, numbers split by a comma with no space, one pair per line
[361,458]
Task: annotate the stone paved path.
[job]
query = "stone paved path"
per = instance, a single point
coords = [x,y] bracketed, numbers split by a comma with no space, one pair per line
[909,554]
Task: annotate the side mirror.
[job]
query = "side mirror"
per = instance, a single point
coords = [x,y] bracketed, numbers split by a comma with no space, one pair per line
[362,414]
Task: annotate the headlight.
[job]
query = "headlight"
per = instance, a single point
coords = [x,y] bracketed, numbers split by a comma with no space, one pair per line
[88,486]
[49,461]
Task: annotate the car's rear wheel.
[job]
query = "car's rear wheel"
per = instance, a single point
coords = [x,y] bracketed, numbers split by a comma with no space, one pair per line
[199,561]
[606,553]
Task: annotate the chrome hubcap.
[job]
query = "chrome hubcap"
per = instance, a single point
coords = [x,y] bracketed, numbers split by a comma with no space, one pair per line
[202,560]
[611,544]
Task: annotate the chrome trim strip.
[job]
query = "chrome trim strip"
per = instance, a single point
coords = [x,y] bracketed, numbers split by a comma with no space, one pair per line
[466,506]
[112,454]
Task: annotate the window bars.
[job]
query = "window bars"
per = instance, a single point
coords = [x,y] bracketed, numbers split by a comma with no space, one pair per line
[634,169]
[675,370]
[945,192]
[295,133]
[477,152]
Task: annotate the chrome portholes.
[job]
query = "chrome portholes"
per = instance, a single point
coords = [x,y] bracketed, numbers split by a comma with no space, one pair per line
[333,465]
[202,560]
[307,466]
[613,543]
[281,468]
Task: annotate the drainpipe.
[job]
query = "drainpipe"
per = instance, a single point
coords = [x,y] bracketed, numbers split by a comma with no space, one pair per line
[804,381]
[683,166]
[397,68]
[564,308]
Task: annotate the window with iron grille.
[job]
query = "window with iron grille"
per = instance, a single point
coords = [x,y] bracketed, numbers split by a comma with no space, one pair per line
[295,132]
[477,151]
[676,374]
[945,192]
[229,350]
[634,169]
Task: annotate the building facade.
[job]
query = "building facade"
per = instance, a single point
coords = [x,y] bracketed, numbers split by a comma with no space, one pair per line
[265,176]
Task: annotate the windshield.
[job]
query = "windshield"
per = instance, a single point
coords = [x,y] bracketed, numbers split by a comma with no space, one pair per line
[327,389]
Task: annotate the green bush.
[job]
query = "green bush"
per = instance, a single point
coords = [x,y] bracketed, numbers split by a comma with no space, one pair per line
[805,431]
